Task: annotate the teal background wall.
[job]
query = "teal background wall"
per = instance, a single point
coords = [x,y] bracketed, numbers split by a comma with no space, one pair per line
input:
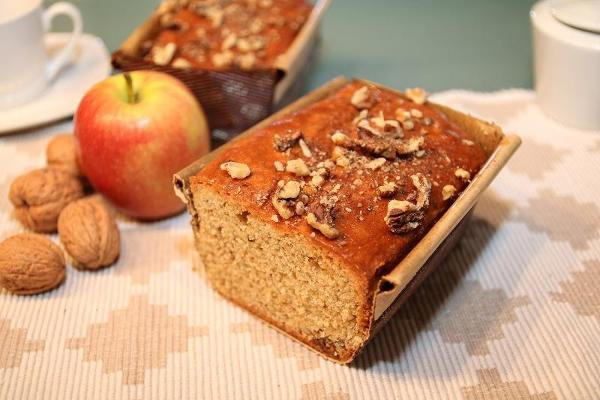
[438,44]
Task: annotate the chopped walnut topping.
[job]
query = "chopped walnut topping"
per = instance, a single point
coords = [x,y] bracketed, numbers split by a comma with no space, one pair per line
[300,208]
[416,95]
[200,32]
[362,98]
[181,63]
[243,44]
[387,126]
[305,149]
[376,163]
[245,61]
[342,161]
[163,55]
[287,141]
[377,146]
[229,9]
[402,115]
[279,167]
[229,41]
[361,115]
[236,170]
[462,174]
[193,51]
[423,190]
[448,191]
[404,216]
[166,20]
[341,139]
[256,26]
[392,126]
[388,189]
[253,43]
[365,126]
[416,113]
[215,14]
[281,207]
[408,125]
[468,142]
[297,167]
[290,190]
[317,180]
[337,152]
[222,59]
[261,198]
[411,145]
[321,170]
[329,231]
[379,120]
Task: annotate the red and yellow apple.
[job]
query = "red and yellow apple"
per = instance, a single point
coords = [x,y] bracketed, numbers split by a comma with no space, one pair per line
[134,131]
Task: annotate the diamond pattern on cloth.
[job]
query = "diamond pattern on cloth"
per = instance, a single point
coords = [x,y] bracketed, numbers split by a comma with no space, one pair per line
[491,387]
[14,345]
[283,347]
[576,222]
[136,339]
[581,291]
[512,313]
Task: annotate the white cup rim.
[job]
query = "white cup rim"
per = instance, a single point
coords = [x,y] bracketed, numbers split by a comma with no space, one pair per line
[31,6]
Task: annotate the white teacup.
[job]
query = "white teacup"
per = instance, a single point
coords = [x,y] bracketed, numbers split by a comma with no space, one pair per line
[25,68]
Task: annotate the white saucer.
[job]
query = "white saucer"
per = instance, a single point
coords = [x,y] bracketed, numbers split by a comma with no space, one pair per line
[91,64]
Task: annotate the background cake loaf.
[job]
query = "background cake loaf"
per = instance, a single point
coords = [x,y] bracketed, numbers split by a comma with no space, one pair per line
[245,34]
[240,58]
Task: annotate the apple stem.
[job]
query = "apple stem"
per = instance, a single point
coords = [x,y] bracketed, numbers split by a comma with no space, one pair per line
[131,95]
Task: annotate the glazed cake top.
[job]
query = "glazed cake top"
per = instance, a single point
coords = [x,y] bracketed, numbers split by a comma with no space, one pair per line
[363,173]
[218,34]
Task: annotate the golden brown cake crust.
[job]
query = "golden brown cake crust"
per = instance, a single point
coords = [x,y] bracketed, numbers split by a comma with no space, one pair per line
[366,241]
[216,34]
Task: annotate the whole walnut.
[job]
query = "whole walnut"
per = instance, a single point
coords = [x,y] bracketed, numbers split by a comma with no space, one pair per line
[61,154]
[40,195]
[30,263]
[89,233]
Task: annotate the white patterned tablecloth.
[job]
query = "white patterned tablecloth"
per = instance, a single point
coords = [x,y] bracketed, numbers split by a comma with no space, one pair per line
[513,313]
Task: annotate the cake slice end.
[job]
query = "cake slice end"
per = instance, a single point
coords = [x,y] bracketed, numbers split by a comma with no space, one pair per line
[281,277]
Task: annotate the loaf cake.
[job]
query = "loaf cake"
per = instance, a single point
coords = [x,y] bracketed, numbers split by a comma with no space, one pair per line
[299,220]
[222,34]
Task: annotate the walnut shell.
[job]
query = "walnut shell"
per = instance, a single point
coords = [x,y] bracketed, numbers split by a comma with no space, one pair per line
[30,263]
[89,233]
[40,195]
[61,154]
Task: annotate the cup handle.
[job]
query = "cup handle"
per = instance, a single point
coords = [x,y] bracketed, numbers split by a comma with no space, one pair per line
[56,63]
